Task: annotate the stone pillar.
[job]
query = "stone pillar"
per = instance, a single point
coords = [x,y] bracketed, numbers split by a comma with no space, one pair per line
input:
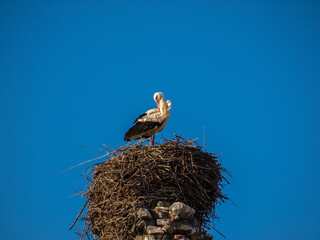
[168,221]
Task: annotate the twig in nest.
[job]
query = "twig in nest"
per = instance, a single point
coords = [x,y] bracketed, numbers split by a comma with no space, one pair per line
[74,222]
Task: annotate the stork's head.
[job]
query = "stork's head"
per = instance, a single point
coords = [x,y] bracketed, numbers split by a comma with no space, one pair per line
[157,97]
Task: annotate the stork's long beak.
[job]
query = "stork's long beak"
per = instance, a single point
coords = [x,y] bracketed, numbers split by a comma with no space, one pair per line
[158,105]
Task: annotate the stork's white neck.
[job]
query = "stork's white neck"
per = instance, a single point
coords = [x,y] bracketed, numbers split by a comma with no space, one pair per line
[163,107]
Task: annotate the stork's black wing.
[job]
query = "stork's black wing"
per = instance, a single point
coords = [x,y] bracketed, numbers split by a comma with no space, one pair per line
[138,130]
[141,116]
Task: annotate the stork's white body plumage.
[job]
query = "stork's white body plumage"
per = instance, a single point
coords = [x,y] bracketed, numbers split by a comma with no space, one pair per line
[151,122]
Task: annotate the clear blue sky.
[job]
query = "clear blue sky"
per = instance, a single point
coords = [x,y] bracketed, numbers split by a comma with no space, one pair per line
[79,72]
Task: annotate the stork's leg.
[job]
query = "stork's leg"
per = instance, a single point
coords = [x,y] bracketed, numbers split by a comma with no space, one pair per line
[153,137]
[152,140]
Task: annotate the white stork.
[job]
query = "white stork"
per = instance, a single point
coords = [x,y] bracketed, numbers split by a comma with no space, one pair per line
[152,121]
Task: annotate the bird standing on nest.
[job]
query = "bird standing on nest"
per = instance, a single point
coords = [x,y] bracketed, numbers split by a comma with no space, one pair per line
[151,122]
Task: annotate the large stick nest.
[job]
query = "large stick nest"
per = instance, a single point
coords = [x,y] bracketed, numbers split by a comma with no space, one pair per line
[139,175]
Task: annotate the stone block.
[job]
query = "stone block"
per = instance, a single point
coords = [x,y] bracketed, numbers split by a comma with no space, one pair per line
[180,237]
[185,227]
[154,230]
[179,210]
[142,225]
[160,212]
[163,221]
[164,210]
[163,204]
[156,214]
[167,229]
[148,237]
[144,214]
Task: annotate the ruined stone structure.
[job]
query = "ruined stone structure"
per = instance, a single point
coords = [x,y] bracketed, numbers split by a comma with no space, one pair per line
[168,222]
